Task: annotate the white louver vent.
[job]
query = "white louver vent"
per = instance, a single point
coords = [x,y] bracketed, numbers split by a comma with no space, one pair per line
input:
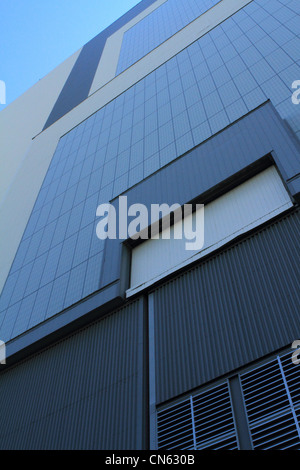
[204,421]
[272,399]
[227,217]
[175,427]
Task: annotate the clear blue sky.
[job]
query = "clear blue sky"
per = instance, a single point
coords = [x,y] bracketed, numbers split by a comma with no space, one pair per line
[37,35]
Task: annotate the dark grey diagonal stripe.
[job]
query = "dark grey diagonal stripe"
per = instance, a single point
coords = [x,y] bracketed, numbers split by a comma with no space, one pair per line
[79,82]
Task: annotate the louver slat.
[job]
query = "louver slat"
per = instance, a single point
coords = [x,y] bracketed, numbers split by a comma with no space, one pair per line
[203,421]
[272,400]
[227,444]
[175,427]
[214,424]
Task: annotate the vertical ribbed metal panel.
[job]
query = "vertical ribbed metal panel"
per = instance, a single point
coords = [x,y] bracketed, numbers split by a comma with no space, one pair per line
[85,392]
[229,310]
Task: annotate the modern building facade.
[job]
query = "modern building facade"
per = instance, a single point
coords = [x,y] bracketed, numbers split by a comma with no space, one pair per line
[124,343]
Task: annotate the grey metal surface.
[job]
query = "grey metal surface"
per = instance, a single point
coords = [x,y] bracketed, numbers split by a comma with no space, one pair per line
[85,392]
[231,309]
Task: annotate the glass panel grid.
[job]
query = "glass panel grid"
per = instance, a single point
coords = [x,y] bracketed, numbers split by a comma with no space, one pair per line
[157,27]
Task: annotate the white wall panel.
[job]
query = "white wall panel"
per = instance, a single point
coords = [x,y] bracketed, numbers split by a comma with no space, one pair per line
[25,117]
[236,212]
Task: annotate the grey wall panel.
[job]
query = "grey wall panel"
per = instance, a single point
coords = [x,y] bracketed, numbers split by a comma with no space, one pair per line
[231,309]
[85,392]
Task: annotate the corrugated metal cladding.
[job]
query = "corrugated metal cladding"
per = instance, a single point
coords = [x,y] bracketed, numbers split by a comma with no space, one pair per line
[234,308]
[85,392]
